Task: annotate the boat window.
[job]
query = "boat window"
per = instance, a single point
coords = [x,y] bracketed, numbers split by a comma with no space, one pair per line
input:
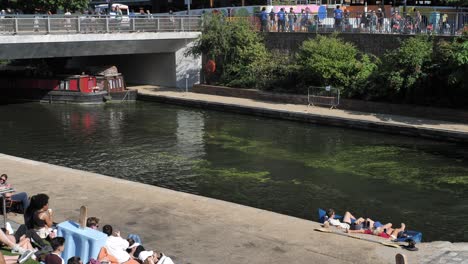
[64,85]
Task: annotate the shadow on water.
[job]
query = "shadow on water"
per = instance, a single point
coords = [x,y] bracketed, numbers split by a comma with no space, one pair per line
[286,167]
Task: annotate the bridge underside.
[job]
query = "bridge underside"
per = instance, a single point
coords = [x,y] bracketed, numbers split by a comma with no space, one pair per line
[143,58]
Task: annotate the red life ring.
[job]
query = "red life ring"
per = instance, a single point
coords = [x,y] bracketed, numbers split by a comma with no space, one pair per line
[210,66]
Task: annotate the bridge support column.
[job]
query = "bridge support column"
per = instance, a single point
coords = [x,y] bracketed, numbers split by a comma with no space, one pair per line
[187,67]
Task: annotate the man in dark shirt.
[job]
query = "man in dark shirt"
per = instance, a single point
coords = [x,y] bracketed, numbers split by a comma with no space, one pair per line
[264,20]
[57,244]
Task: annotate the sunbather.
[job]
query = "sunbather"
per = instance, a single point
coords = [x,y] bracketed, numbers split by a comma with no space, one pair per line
[385,231]
[15,247]
[348,219]
[39,217]
[139,253]
[15,259]
[115,248]
[92,222]
[58,246]
[74,260]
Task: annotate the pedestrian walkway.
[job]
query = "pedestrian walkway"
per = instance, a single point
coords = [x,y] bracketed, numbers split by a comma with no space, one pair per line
[369,121]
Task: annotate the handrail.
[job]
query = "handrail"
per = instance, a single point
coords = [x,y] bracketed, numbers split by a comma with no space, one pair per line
[98,24]
[370,21]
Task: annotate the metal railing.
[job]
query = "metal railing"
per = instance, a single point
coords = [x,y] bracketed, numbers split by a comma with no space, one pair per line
[94,24]
[328,96]
[366,22]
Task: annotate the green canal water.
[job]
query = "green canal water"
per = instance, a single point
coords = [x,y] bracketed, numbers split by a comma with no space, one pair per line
[286,167]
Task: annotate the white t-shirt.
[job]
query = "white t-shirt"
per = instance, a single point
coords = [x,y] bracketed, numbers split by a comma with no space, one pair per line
[116,247]
[336,222]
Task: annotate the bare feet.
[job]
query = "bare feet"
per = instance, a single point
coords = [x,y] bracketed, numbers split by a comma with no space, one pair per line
[326,224]
[403,226]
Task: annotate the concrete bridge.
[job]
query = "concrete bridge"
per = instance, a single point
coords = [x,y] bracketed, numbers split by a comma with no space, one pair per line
[146,51]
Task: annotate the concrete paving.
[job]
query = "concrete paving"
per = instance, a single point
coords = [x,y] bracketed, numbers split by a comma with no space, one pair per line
[195,229]
[428,128]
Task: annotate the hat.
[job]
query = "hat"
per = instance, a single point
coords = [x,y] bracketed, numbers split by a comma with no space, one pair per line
[145,254]
[380,9]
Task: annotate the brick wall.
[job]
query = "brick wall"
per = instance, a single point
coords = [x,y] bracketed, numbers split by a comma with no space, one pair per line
[375,44]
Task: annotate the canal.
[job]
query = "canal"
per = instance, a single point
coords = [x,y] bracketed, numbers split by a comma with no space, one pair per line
[286,167]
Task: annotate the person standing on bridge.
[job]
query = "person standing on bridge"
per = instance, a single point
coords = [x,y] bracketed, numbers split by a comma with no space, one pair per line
[292,18]
[263,20]
[281,20]
[338,16]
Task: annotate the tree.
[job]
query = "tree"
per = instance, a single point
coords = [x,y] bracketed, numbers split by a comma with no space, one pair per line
[331,61]
[237,49]
[30,6]
[405,68]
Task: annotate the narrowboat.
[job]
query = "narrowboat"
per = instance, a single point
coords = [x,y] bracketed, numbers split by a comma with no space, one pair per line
[24,84]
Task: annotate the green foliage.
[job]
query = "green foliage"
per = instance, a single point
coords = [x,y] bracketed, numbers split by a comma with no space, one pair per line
[459,58]
[280,73]
[52,5]
[405,68]
[331,61]
[421,71]
[236,48]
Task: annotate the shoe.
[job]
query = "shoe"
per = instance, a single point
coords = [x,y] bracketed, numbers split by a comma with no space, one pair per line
[25,256]
[17,249]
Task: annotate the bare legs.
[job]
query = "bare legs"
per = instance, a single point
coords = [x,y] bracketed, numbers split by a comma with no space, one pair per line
[347,217]
[394,232]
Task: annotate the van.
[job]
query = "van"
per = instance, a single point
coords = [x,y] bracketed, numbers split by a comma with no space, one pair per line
[104,9]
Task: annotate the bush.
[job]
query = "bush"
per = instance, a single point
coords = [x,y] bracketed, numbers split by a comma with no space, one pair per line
[405,68]
[236,48]
[330,61]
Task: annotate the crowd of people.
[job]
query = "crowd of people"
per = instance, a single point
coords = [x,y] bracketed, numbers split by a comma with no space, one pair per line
[372,21]
[37,237]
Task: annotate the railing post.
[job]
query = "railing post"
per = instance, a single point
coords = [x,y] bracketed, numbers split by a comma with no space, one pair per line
[16,25]
[132,21]
[182,24]
[157,21]
[107,24]
[78,25]
[48,24]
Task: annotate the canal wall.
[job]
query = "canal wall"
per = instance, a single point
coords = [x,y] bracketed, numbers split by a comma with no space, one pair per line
[377,44]
[393,124]
[446,114]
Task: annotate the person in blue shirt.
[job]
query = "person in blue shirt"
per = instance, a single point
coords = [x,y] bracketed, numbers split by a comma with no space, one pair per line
[281,20]
[264,20]
[338,16]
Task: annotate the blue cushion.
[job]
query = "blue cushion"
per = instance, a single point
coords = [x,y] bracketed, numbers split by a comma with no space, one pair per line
[414,235]
[322,214]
